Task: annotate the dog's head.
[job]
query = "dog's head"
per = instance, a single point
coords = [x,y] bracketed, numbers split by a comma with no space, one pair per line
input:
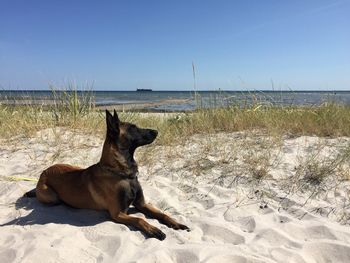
[126,135]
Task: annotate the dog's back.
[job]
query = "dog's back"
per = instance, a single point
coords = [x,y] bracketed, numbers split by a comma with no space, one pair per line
[48,174]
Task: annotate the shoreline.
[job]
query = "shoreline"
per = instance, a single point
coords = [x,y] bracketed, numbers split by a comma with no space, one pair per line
[171,101]
[127,106]
[145,106]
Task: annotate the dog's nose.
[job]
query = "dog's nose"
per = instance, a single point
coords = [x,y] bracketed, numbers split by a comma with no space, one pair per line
[154,133]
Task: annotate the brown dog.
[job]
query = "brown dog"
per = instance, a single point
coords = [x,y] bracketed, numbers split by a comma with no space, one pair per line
[111,184]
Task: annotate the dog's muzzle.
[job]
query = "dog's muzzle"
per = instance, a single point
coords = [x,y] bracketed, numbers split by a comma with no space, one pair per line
[153,133]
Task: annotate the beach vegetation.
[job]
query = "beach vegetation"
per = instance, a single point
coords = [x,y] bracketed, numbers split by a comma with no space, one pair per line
[73,109]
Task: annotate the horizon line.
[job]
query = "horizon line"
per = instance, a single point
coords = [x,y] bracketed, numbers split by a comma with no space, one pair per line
[211,90]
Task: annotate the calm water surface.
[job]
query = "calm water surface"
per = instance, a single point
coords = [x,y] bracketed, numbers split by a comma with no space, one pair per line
[187,100]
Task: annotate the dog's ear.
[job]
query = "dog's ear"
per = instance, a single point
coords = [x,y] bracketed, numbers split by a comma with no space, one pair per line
[112,124]
[115,116]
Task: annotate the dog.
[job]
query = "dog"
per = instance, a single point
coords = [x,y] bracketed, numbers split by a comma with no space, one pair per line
[111,184]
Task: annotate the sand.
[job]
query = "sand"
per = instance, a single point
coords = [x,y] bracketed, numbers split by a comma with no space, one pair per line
[237,212]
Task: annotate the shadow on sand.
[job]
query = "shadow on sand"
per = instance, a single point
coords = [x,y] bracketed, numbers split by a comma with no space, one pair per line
[41,214]
[59,214]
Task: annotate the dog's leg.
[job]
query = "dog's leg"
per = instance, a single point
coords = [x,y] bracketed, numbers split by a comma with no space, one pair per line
[153,212]
[139,223]
[46,194]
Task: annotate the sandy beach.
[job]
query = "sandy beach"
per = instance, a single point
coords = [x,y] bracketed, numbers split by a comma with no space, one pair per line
[239,210]
[228,121]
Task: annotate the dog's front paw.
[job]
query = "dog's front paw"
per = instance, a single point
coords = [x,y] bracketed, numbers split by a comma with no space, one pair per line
[184,227]
[155,233]
[178,226]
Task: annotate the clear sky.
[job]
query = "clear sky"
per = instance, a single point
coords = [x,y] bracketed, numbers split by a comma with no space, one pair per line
[124,45]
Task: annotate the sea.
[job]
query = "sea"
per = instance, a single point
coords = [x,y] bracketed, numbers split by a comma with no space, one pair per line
[172,101]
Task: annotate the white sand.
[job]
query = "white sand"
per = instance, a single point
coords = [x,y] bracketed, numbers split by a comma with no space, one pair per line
[205,184]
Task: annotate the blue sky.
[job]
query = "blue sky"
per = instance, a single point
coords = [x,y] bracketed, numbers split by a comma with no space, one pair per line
[124,45]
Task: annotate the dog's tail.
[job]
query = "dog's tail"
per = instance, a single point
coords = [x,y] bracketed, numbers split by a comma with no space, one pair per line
[31,193]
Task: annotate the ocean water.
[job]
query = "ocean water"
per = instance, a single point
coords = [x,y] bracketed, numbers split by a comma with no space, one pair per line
[185,100]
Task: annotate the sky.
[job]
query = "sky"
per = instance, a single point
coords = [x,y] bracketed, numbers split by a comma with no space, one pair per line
[124,45]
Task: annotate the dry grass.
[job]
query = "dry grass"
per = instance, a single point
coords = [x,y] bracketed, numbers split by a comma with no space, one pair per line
[76,110]
[325,120]
[260,154]
[322,169]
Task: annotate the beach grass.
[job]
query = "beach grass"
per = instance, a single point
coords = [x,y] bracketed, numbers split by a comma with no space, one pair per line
[71,110]
[323,120]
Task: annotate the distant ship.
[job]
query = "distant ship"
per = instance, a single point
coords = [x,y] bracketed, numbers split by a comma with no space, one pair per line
[143,89]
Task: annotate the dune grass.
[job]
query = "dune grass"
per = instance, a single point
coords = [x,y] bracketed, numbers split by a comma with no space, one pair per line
[72,111]
[76,110]
[324,120]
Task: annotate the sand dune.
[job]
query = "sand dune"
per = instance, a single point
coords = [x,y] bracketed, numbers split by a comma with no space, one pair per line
[204,183]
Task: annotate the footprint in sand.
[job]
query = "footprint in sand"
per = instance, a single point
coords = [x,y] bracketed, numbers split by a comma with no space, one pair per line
[221,234]
[247,224]
[233,258]
[108,244]
[10,241]
[320,232]
[205,201]
[188,188]
[274,238]
[299,213]
[309,233]
[183,255]
[7,255]
[281,254]
[326,252]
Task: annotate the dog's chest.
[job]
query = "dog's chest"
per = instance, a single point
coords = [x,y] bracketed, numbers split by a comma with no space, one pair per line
[129,192]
